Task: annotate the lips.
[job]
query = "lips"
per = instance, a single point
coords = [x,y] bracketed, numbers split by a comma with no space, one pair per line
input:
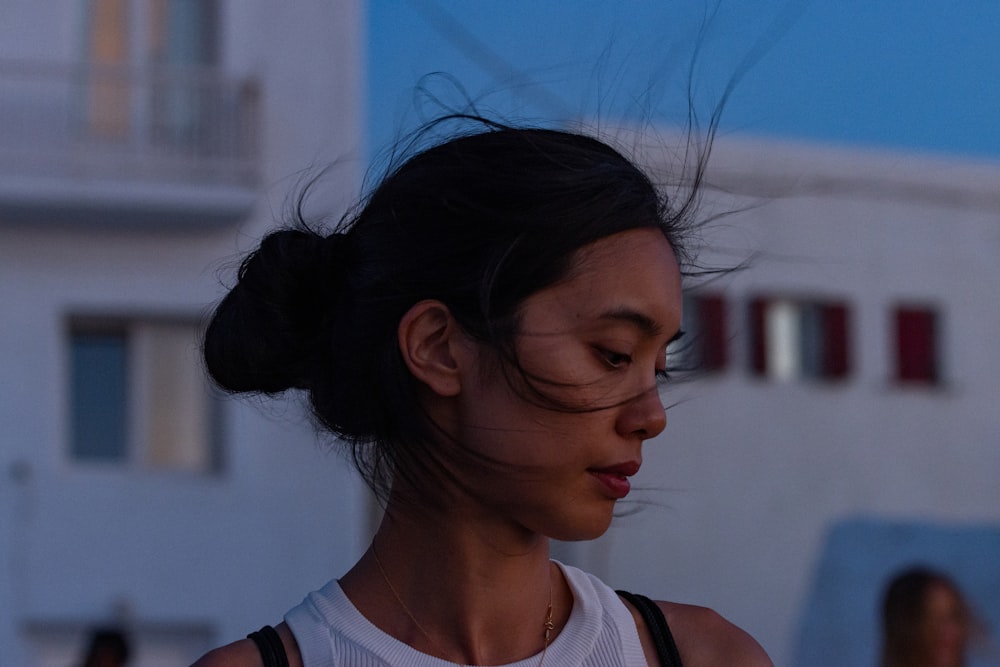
[614,479]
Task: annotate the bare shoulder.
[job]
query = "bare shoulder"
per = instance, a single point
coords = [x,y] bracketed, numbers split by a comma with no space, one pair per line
[706,639]
[243,653]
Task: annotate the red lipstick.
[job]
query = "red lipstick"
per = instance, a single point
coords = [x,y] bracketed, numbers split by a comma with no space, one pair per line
[614,479]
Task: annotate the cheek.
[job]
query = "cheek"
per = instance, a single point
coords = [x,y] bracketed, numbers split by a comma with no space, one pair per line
[568,375]
[538,424]
[556,360]
[521,441]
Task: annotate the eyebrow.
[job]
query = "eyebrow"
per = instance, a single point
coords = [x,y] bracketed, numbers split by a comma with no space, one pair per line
[647,325]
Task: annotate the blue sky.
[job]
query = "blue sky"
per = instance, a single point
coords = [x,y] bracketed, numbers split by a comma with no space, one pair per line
[918,75]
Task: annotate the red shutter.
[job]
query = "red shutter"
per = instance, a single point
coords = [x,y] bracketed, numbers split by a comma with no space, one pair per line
[713,341]
[916,345]
[835,341]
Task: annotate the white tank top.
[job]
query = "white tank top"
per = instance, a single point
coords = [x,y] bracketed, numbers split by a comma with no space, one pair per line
[600,632]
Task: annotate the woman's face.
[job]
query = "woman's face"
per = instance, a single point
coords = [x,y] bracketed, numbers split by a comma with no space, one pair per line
[594,342]
[945,626]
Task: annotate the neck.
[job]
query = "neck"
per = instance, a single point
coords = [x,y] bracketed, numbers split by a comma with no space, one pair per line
[457,591]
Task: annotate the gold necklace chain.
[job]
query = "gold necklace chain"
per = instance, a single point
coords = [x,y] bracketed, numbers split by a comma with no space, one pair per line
[548,624]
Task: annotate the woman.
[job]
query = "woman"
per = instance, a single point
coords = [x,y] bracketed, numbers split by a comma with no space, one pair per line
[925,621]
[487,332]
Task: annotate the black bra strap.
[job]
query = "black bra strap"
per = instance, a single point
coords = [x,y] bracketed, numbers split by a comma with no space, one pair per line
[272,651]
[666,649]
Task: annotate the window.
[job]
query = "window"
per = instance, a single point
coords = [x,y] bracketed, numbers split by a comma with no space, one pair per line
[98,372]
[916,339]
[108,49]
[125,38]
[705,346]
[183,35]
[793,338]
[138,395]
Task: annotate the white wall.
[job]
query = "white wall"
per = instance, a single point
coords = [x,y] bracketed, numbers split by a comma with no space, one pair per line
[49,30]
[753,473]
[228,552]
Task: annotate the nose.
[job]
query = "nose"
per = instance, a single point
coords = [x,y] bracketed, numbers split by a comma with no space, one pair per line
[643,416]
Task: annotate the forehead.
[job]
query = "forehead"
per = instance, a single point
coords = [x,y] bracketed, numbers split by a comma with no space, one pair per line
[633,271]
[941,595]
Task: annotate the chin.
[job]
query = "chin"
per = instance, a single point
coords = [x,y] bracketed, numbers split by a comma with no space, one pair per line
[580,529]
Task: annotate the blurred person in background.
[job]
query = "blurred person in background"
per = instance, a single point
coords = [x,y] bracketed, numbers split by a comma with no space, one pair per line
[926,621]
[108,647]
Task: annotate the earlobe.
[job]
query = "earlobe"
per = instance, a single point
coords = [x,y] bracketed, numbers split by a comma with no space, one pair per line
[428,335]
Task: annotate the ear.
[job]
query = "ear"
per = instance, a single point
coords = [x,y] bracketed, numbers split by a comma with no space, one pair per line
[429,338]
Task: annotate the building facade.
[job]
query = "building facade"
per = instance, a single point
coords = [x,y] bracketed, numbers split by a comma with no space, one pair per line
[849,382]
[144,144]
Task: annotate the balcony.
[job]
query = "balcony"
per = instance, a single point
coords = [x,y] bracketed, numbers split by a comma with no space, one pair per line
[85,146]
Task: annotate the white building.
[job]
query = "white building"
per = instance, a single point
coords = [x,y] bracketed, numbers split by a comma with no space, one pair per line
[857,390]
[145,143]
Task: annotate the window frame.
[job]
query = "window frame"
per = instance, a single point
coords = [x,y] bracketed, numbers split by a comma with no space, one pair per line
[139,451]
[820,331]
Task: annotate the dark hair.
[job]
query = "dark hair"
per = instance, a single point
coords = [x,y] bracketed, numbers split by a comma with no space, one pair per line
[480,221]
[107,642]
[903,609]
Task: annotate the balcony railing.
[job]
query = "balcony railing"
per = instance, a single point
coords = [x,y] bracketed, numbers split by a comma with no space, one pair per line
[114,129]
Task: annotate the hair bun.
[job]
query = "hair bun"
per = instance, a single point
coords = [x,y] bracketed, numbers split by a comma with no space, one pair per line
[267,332]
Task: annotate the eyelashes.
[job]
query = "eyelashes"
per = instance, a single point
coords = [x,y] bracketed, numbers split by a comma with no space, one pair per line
[675,350]
[617,360]
[620,360]
[613,359]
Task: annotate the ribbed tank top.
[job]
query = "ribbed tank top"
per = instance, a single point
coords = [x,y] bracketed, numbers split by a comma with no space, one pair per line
[600,632]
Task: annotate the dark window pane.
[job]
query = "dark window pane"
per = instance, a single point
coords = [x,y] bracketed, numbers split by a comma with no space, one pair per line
[758,336]
[812,339]
[836,352]
[98,396]
[824,340]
